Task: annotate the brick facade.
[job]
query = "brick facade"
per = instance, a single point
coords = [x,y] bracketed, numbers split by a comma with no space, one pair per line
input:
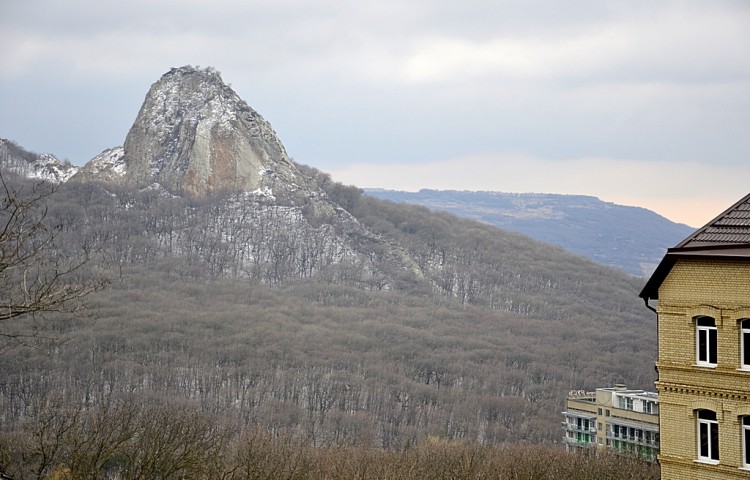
[703,290]
[720,289]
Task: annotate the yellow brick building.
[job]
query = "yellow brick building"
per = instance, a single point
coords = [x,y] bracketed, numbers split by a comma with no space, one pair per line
[701,293]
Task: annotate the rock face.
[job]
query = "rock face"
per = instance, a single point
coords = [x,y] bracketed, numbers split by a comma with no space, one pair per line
[194,135]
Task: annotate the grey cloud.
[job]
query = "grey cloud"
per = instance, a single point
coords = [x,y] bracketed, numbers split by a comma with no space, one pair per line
[346,82]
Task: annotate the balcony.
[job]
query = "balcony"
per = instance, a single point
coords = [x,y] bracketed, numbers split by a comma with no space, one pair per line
[572,427]
[634,440]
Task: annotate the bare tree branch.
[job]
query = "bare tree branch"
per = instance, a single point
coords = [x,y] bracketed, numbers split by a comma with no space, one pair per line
[36,276]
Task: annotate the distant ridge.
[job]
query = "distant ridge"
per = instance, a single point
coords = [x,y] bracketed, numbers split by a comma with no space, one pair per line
[631,238]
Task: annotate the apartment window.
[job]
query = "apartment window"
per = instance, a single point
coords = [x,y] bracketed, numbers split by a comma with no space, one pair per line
[708,436]
[706,349]
[746,441]
[626,403]
[745,344]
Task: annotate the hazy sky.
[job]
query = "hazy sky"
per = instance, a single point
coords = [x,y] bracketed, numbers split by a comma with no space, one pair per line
[636,102]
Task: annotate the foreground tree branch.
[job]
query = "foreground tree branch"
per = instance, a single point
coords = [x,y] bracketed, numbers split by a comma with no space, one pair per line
[36,275]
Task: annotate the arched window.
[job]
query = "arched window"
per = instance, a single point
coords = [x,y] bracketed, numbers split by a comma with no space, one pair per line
[746,441]
[708,436]
[705,341]
[745,344]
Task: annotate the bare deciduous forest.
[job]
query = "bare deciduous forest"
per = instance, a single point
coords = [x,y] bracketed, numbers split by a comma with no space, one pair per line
[243,338]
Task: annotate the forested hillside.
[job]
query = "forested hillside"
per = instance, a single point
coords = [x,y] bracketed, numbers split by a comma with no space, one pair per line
[417,324]
[254,306]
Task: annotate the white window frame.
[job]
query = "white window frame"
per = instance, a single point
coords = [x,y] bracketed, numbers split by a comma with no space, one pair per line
[709,333]
[745,422]
[745,344]
[709,426]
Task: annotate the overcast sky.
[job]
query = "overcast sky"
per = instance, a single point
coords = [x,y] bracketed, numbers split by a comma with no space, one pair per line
[641,103]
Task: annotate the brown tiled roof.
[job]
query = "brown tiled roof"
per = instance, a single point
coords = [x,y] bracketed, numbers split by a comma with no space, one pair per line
[726,236]
[731,227]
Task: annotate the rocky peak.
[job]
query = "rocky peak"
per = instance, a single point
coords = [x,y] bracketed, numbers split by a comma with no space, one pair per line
[195,135]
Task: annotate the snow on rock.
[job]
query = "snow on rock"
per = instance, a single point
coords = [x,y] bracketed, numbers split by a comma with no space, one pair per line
[44,167]
[110,161]
[264,192]
[108,167]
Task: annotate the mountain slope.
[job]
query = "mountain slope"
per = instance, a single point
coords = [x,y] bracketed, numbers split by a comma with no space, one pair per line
[479,340]
[630,238]
[311,309]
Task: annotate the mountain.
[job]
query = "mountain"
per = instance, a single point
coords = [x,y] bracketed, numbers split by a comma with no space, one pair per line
[305,307]
[30,165]
[194,135]
[631,238]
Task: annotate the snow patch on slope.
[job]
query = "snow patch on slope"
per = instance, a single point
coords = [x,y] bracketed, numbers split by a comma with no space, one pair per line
[110,163]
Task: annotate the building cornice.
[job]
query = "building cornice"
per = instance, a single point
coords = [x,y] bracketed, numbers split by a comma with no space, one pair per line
[702,391]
